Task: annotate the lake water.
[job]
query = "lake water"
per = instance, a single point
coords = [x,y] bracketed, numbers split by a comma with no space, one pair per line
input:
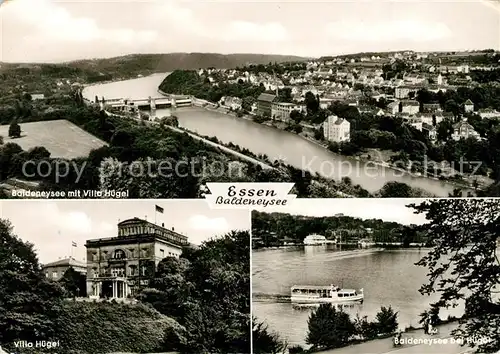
[389,278]
[261,139]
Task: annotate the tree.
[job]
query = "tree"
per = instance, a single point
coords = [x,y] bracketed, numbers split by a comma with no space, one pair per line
[444,130]
[463,266]
[264,341]
[74,283]
[29,303]
[329,327]
[14,129]
[312,103]
[387,320]
[364,328]
[395,190]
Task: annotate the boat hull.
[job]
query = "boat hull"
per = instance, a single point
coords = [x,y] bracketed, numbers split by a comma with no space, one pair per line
[326,300]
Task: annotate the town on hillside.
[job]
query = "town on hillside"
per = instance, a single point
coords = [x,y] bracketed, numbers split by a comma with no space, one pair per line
[392,108]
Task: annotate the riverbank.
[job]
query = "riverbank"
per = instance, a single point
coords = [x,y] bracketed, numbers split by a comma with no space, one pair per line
[415,341]
[359,158]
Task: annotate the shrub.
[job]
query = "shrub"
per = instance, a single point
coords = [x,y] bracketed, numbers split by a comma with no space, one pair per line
[329,327]
[87,327]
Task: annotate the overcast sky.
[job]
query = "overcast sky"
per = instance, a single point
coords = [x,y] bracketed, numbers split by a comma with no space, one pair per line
[53,225]
[387,209]
[49,30]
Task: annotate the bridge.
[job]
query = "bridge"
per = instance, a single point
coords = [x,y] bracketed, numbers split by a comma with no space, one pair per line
[150,103]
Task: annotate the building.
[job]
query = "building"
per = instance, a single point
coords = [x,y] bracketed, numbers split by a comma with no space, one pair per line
[409,106]
[282,110]
[393,107]
[431,108]
[37,96]
[117,267]
[233,103]
[430,131]
[415,123]
[403,92]
[336,129]
[463,130]
[264,104]
[488,113]
[55,270]
[468,106]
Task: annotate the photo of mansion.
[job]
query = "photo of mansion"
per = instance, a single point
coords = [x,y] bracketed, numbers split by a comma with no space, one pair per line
[117,267]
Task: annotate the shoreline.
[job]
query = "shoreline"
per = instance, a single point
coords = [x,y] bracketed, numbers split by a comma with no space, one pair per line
[360,159]
[203,104]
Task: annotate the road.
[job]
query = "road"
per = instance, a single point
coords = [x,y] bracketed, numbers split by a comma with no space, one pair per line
[441,344]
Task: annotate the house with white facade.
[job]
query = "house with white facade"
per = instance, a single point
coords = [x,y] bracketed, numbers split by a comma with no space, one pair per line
[468,106]
[393,107]
[463,130]
[336,129]
[410,106]
[488,113]
[281,110]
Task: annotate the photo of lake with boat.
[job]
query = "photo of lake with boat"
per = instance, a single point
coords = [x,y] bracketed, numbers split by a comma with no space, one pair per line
[359,256]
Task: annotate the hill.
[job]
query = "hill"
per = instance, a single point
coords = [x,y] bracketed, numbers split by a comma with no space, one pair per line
[135,64]
[182,61]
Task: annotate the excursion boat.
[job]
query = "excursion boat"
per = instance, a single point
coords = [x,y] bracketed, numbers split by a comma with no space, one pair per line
[313,240]
[309,294]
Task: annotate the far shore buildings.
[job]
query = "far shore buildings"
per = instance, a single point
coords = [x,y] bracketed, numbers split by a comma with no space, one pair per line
[265,103]
[336,129]
[117,267]
[55,270]
[281,110]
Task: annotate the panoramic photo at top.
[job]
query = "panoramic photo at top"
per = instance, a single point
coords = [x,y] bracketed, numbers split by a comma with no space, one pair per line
[390,99]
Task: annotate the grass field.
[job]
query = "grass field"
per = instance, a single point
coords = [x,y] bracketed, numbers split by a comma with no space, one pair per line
[62,138]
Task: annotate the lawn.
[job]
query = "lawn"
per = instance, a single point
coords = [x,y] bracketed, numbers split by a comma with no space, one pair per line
[62,138]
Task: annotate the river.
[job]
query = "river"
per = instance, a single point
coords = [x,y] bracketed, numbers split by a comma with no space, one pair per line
[262,139]
[387,277]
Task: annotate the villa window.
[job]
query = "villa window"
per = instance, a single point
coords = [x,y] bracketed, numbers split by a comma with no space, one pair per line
[117,272]
[162,253]
[54,275]
[119,254]
[94,256]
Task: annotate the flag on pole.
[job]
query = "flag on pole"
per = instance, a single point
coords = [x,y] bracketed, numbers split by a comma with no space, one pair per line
[73,244]
[159,209]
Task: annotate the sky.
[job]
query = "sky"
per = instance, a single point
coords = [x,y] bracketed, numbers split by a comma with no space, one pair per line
[52,226]
[52,31]
[387,209]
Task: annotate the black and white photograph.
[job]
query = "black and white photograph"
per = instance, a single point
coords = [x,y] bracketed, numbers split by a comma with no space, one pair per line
[155,98]
[376,276]
[131,276]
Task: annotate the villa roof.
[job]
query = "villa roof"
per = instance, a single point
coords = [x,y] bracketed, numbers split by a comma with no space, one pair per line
[65,262]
